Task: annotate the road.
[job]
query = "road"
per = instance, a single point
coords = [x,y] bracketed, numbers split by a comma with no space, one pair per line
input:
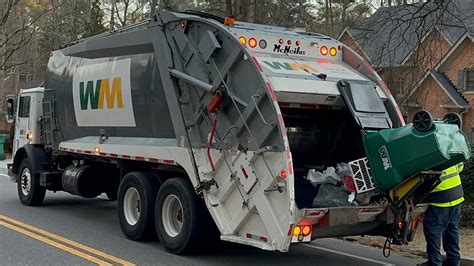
[70,230]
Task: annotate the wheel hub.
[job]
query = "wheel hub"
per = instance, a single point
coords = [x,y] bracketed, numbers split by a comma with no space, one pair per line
[172,215]
[25,181]
[132,206]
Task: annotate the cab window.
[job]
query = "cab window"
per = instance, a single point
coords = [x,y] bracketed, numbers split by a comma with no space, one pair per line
[24,106]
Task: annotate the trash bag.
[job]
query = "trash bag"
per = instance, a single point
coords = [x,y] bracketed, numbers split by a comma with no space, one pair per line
[330,195]
[329,176]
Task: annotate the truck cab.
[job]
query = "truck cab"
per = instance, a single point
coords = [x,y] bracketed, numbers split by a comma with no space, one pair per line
[24,111]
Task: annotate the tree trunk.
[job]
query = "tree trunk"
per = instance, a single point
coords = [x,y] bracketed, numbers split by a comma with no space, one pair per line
[112,15]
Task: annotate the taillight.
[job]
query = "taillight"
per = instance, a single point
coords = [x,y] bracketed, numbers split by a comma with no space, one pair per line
[302,230]
[252,42]
[324,50]
[306,230]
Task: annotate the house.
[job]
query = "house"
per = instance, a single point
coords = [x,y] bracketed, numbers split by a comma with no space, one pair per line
[425,53]
[11,83]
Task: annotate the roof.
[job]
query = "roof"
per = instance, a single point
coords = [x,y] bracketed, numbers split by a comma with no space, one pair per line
[392,33]
[456,98]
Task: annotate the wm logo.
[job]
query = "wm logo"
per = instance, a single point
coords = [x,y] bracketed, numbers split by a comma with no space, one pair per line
[100,93]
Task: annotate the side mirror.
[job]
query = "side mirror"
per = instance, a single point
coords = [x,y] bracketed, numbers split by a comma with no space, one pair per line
[10,112]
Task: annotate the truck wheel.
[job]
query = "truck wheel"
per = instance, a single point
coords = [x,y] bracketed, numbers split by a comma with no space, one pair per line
[135,205]
[179,215]
[29,190]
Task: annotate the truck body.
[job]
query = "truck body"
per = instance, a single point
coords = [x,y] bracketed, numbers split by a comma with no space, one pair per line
[236,113]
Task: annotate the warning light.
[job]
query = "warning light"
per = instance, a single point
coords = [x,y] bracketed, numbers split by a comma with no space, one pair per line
[298,43]
[229,21]
[283,174]
[242,40]
[252,42]
[263,44]
[289,42]
[281,41]
[306,230]
[324,50]
[296,230]
[333,51]
[96,149]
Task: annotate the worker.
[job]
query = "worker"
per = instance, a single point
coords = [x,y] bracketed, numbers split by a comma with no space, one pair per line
[442,218]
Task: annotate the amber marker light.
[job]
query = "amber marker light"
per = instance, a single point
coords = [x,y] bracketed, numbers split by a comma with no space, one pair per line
[333,51]
[296,230]
[242,40]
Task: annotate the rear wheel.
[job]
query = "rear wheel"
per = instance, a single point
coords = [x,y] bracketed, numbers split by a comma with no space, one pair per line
[179,216]
[135,205]
[29,190]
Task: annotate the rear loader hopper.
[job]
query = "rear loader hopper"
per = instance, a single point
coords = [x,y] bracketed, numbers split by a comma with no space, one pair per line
[277,137]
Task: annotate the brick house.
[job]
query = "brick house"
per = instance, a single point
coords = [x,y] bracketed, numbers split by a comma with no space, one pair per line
[11,84]
[425,54]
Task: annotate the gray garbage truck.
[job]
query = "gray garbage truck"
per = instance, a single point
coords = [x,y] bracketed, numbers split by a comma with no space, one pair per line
[191,121]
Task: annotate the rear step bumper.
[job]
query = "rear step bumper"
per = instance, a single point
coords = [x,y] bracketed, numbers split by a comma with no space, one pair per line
[348,221]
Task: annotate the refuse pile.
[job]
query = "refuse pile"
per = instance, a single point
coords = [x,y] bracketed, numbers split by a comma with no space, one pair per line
[336,187]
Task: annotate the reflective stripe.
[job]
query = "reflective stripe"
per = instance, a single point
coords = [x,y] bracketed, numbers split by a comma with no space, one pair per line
[446,196]
[449,204]
[442,178]
[449,192]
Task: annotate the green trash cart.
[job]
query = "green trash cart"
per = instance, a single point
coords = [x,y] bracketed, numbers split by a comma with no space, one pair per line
[2,144]
[396,154]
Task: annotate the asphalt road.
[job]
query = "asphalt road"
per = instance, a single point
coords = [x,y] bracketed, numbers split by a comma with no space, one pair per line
[70,230]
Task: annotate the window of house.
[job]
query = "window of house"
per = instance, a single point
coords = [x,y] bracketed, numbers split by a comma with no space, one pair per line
[469,79]
[24,107]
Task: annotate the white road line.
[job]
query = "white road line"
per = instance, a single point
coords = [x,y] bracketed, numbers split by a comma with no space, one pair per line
[347,254]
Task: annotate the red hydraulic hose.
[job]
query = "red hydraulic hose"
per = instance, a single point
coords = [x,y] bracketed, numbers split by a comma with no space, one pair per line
[213,130]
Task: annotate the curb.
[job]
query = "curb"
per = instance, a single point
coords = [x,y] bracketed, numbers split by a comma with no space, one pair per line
[465,261]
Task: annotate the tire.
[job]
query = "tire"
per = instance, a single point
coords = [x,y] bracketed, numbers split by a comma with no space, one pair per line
[29,190]
[180,217]
[137,225]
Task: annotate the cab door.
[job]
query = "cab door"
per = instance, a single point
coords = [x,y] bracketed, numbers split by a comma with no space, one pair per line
[22,122]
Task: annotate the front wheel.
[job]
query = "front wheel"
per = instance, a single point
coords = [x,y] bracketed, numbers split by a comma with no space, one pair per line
[179,216]
[29,190]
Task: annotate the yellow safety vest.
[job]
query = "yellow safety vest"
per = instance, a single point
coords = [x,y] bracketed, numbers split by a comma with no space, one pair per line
[449,192]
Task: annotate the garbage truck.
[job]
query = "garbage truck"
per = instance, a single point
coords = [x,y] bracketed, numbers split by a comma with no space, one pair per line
[192,122]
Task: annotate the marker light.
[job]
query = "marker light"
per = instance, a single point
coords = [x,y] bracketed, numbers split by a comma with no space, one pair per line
[29,136]
[296,230]
[289,42]
[333,51]
[242,40]
[263,44]
[283,174]
[281,41]
[298,43]
[306,230]
[324,50]
[252,42]
[97,149]
[229,21]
